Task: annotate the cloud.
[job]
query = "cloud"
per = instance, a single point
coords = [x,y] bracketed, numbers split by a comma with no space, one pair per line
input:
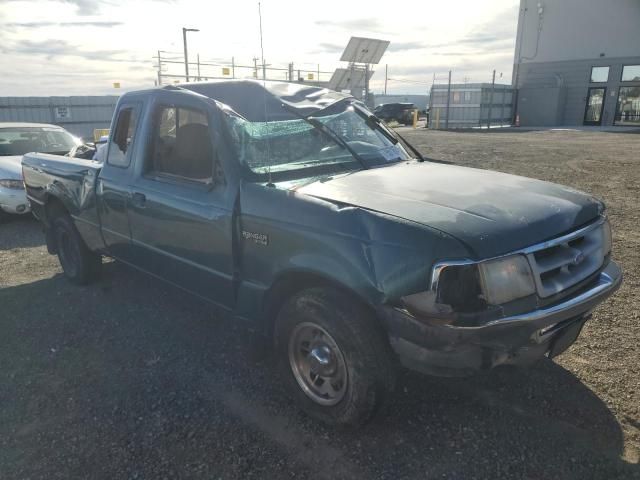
[366,24]
[86,7]
[327,47]
[405,46]
[480,67]
[59,48]
[83,7]
[98,24]
[498,32]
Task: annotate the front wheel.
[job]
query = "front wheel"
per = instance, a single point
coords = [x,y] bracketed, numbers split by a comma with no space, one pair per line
[80,265]
[334,358]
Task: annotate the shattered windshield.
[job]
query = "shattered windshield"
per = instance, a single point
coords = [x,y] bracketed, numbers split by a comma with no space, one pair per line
[297,148]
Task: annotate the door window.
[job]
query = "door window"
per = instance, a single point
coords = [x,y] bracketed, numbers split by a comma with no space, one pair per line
[182,147]
[595,102]
[122,137]
[628,109]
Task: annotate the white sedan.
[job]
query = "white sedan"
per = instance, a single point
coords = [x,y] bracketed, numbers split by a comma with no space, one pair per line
[16,139]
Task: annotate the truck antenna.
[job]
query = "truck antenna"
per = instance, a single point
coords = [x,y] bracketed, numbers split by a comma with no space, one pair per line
[264,91]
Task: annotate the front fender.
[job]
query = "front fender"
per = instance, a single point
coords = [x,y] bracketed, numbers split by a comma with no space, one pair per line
[377,256]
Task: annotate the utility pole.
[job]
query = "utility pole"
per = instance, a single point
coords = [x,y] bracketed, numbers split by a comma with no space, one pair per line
[159,70]
[233,67]
[493,84]
[446,122]
[198,56]
[386,76]
[255,67]
[186,54]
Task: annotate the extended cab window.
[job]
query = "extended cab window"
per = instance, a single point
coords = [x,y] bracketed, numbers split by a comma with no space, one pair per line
[181,146]
[122,137]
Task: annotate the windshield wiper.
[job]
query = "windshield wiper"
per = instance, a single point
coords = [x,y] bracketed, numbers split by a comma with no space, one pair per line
[411,147]
[377,123]
[386,131]
[317,124]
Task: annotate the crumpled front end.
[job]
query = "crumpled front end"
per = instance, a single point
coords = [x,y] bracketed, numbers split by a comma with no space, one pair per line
[459,327]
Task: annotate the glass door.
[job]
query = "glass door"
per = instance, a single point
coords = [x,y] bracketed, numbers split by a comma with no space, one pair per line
[595,102]
[628,109]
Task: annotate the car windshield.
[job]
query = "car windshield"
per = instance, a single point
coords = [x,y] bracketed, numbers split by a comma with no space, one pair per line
[21,140]
[337,139]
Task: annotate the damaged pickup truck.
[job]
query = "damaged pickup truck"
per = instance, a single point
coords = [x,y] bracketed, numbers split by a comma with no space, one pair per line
[295,208]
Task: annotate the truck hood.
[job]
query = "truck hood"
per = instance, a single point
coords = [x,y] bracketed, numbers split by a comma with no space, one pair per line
[11,167]
[491,213]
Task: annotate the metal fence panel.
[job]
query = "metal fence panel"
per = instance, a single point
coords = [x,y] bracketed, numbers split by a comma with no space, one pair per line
[80,115]
[470,105]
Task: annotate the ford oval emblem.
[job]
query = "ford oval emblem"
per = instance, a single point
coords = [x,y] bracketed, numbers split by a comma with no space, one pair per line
[577,260]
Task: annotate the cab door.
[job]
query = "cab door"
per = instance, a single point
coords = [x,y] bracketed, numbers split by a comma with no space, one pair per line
[113,182]
[181,211]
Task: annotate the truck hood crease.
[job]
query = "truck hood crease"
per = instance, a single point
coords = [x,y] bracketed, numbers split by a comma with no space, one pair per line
[492,213]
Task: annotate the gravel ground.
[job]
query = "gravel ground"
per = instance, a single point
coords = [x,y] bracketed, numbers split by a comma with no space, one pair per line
[131,378]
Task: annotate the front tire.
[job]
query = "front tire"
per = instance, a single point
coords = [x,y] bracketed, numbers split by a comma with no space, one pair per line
[333,356]
[80,265]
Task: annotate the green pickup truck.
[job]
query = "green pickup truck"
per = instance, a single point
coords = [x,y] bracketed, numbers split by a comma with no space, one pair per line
[296,209]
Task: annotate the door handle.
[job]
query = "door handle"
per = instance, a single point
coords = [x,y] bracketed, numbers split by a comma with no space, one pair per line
[139,200]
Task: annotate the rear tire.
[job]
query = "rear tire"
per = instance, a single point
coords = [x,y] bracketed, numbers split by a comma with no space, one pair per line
[80,265]
[334,358]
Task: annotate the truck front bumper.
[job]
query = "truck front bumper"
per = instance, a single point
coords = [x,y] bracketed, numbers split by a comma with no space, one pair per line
[13,200]
[521,339]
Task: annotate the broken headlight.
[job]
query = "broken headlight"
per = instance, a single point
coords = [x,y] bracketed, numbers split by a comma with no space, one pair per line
[473,287]
[458,292]
[506,279]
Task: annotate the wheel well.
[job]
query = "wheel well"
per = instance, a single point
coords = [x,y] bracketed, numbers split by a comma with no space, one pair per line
[53,208]
[291,283]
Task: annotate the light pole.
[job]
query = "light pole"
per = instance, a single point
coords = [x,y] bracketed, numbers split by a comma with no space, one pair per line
[186,56]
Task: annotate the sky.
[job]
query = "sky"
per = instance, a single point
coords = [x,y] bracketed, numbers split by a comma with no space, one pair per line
[81,47]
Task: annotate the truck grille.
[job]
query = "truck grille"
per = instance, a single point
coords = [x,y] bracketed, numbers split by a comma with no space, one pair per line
[562,264]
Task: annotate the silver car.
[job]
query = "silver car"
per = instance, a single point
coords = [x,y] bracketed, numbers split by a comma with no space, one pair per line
[16,139]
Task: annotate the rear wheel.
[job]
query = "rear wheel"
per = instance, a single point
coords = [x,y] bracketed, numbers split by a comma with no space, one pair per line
[80,265]
[334,359]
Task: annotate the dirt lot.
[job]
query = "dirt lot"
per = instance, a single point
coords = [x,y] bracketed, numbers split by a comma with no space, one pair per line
[130,378]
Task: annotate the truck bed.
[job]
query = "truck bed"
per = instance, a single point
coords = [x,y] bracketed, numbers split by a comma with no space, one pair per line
[72,182]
